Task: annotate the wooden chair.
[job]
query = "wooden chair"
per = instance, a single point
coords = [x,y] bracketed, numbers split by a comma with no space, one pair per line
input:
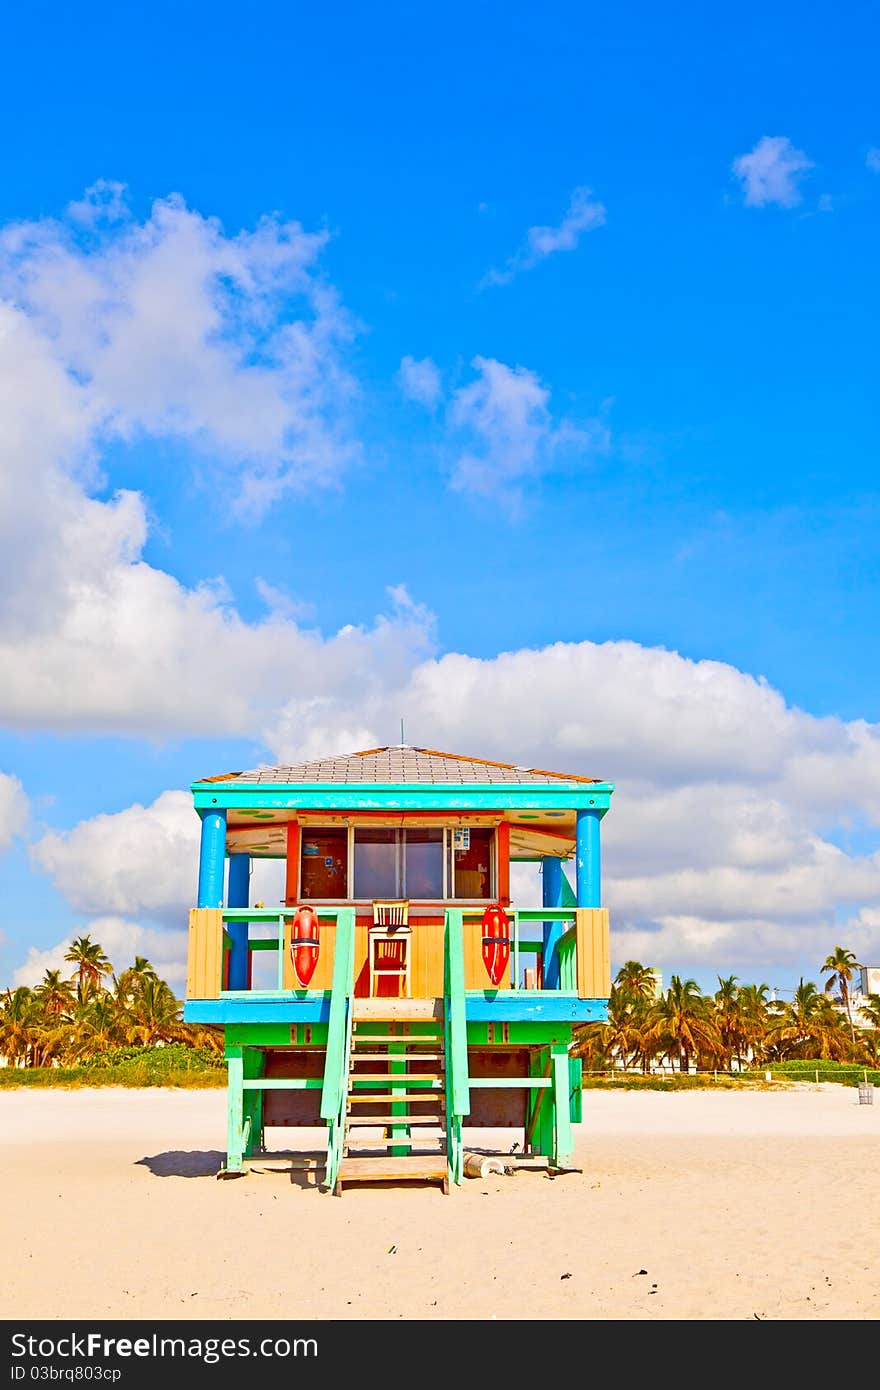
[389,943]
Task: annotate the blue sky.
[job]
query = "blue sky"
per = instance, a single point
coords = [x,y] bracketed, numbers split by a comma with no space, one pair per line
[640,408]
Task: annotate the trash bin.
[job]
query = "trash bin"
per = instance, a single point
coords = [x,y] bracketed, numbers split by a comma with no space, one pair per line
[866,1093]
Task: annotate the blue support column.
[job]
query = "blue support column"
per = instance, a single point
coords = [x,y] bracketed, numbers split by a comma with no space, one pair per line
[212,859]
[551,896]
[589,879]
[238,895]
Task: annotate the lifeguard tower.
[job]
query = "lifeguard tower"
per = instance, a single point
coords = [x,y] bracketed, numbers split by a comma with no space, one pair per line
[434,1003]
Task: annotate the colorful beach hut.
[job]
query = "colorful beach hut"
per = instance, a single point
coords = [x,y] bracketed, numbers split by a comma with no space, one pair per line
[396,994]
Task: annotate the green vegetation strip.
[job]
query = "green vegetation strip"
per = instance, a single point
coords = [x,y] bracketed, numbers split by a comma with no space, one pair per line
[175,1065]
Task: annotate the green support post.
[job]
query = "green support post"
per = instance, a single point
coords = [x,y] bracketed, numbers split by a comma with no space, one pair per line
[235,1112]
[563,1139]
[540,1128]
[397,1063]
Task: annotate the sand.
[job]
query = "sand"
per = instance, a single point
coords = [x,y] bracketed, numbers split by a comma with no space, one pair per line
[703,1205]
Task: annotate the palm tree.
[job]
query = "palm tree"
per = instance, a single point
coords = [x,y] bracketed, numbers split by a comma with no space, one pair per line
[754,1007]
[98,1025]
[155,1013]
[132,980]
[91,963]
[56,995]
[20,1026]
[808,1026]
[636,979]
[842,965]
[728,1018]
[682,1020]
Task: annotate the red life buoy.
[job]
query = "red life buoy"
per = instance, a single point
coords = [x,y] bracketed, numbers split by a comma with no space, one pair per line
[496,942]
[304,945]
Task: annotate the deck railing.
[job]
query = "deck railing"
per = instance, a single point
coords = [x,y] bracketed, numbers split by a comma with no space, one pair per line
[579,963]
[458,1100]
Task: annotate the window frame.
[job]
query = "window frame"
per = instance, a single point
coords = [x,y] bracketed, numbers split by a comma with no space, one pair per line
[448,861]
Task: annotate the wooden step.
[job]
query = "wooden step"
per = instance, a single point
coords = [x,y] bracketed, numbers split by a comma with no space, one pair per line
[396,1076]
[423,1168]
[382,1121]
[424,1097]
[398,1010]
[396,1097]
[411,1039]
[395,1057]
[399,1142]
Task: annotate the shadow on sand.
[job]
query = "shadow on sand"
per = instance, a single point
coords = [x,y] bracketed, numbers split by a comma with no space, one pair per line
[305,1170]
[184,1163]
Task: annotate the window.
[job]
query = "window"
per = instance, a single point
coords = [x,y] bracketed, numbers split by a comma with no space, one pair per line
[470,869]
[324,864]
[398,863]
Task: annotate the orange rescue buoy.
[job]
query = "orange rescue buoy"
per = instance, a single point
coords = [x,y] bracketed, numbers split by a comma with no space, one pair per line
[304,944]
[496,942]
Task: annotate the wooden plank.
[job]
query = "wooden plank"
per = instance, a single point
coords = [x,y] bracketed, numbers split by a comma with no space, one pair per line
[427,1094]
[382,1121]
[593,952]
[358,1056]
[390,1169]
[426,980]
[384,1010]
[361,1076]
[204,978]
[399,1142]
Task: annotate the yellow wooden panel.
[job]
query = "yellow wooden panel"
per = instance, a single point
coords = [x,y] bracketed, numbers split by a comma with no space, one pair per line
[323,976]
[593,953]
[475,976]
[204,968]
[426,980]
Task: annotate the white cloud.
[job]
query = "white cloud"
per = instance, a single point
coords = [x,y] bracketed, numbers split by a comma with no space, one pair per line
[14,809]
[162,327]
[122,940]
[872,160]
[505,433]
[173,328]
[143,860]
[584,214]
[771,172]
[420,381]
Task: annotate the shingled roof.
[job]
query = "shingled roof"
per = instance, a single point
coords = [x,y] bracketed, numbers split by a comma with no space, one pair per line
[399,763]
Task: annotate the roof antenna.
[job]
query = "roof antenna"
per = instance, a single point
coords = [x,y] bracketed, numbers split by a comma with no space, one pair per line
[402,744]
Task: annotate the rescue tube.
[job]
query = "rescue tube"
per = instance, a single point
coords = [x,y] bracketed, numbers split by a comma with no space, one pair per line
[304,944]
[496,942]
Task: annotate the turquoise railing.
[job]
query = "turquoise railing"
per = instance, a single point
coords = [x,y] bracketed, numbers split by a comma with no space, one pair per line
[458,1096]
[520,947]
[338,1056]
[566,952]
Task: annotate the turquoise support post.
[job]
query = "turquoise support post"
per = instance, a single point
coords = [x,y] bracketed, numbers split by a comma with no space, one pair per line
[589,886]
[563,1139]
[551,896]
[238,895]
[212,858]
[235,1136]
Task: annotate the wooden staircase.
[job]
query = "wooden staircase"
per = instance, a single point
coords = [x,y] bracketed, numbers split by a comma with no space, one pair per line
[396,1086]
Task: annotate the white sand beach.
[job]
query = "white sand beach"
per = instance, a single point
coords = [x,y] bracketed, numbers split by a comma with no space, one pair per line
[705,1205]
